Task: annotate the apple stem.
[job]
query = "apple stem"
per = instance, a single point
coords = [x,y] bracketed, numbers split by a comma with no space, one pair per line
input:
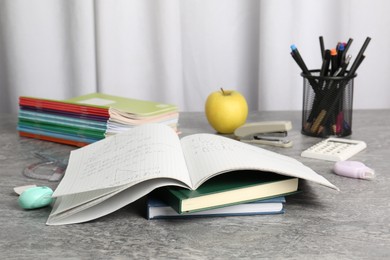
[223,92]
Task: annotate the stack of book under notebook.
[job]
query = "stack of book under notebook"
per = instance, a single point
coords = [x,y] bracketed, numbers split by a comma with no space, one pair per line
[239,193]
[159,209]
[86,119]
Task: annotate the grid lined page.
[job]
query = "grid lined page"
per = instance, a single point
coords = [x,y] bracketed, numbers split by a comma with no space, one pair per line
[142,153]
[208,155]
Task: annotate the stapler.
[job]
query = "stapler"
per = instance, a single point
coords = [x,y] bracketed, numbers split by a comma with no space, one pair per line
[268,132]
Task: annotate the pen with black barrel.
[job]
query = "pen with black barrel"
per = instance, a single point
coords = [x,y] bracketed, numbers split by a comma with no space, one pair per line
[319,95]
[344,66]
[331,113]
[340,113]
[323,107]
[298,58]
[326,102]
[334,107]
[324,115]
[325,64]
[359,57]
[322,47]
[340,53]
[346,48]
[334,61]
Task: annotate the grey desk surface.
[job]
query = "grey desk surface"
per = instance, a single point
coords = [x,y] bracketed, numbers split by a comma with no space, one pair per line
[318,223]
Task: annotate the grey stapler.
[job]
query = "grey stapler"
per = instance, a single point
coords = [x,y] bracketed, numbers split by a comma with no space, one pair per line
[268,132]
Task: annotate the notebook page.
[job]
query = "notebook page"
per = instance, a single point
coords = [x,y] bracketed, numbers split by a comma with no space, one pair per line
[142,153]
[76,200]
[105,204]
[207,155]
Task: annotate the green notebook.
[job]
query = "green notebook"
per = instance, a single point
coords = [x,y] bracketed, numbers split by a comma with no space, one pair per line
[62,129]
[134,107]
[229,189]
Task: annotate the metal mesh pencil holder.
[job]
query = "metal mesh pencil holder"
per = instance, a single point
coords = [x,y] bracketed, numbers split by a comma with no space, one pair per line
[327,105]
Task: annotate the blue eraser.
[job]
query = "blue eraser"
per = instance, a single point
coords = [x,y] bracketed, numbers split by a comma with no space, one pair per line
[36,197]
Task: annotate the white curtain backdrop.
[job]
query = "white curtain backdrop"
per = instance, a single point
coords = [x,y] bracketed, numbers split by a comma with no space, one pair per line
[179,51]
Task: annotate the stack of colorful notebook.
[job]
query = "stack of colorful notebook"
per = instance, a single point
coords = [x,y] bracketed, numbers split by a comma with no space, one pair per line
[86,119]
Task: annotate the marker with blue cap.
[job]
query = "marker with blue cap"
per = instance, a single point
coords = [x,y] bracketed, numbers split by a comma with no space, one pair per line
[340,53]
[299,59]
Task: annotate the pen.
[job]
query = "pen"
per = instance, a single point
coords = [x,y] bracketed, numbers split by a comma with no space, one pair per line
[326,106]
[340,53]
[299,59]
[322,47]
[356,65]
[337,103]
[359,58]
[346,47]
[333,59]
[344,66]
[325,63]
[331,110]
[319,96]
[339,121]
[360,61]
[323,115]
[304,69]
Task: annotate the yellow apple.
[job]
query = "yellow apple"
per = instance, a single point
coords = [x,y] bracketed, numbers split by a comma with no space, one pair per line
[226,110]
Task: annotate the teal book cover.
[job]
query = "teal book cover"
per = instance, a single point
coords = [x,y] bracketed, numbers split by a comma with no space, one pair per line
[40,120]
[55,136]
[62,129]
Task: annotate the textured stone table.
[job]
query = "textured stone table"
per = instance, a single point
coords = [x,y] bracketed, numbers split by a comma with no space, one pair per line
[318,223]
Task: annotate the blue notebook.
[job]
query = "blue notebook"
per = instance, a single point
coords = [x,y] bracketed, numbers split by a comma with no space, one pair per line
[157,209]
